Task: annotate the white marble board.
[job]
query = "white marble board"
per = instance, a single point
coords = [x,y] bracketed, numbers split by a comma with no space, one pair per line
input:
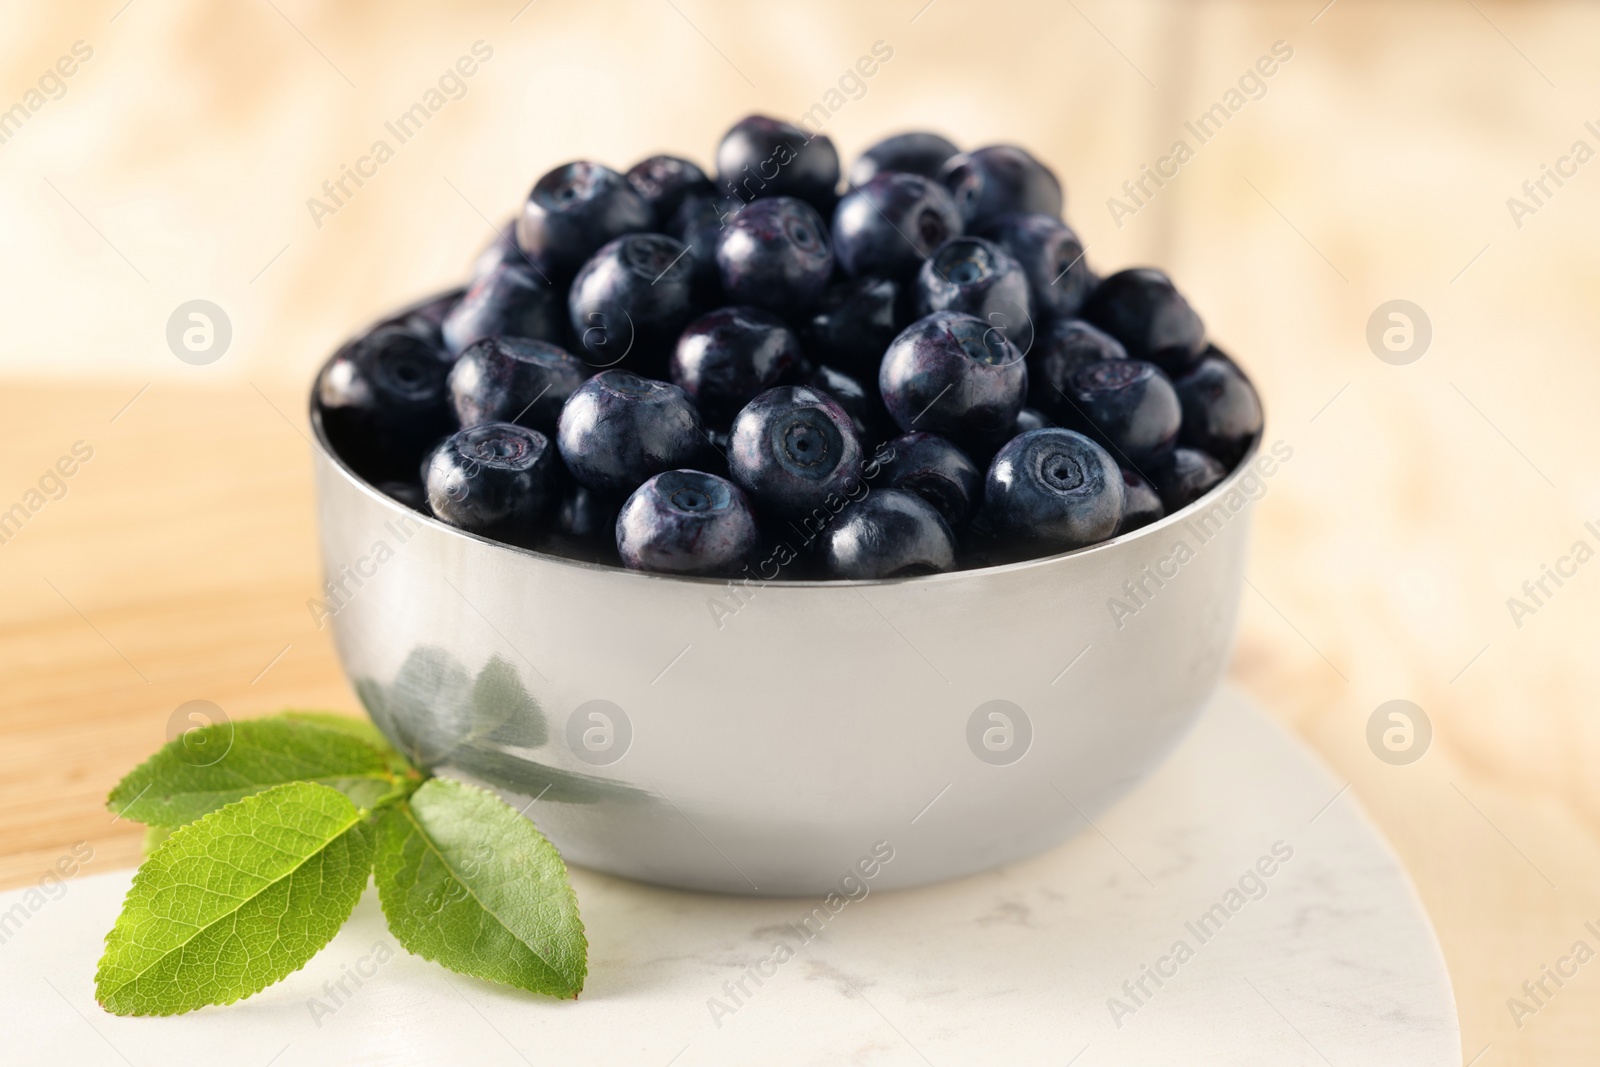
[1327,961]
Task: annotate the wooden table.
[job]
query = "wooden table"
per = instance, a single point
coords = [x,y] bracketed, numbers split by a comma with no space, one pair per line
[1376,164]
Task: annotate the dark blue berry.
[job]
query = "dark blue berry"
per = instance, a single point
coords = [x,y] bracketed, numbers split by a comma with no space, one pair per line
[1060,347]
[853,323]
[618,429]
[502,248]
[1221,412]
[426,317]
[980,278]
[793,449]
[999,179]
[572,211]
[384,400]
[937,471]
[687,522]
[1186,476]
[665,182]
[1031,419]
[588,515]
[1141,504]
[910,153]
[698,223]
[631,300]
[890,225]
[1131,406]
[954,375]
[514,379]
[860,403]
[1051,256]
[409,493]
[715,460]
[1144,310]
[510,301]
[584,526]
[725,357]
[774,254]
[889,533]
[1052,490]
[498,479]
[761,157]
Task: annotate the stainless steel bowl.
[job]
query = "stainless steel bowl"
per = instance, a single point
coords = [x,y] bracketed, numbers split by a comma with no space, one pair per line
[783,737]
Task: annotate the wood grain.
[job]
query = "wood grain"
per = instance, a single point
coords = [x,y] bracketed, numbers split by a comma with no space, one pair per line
[175,568]
[1375,164]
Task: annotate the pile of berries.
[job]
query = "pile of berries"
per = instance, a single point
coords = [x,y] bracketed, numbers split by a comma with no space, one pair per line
[758,375]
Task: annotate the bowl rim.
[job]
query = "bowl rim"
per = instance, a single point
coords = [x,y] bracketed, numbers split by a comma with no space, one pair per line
[325,448]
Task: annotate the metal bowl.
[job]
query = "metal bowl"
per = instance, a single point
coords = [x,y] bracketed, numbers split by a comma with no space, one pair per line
[783,737]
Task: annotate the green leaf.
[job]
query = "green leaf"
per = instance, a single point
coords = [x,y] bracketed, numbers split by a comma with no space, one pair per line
[359,728]
[467,882]
[236,901]
[219,764]
[153,836]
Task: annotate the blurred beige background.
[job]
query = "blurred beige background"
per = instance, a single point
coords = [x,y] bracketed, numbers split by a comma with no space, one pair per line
[176,163]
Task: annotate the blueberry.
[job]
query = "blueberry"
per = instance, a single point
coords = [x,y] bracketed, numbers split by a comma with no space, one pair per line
[498,479]
[1141,504]
[1031,419]
[1131,406]
[793,449]
[694,215]
[909,153]
[502,248]
[999,179]
[572,211]
[774,254]
[698,223]
[724,358]
[584,526]
[980,278]
[409,493]
[889,533]
[426,316]
[953,375]
[1052,490]
[937,471]
[587,515]
[716,456]
[1186,476]
[632,300]
[1060,348]
[860,403]
[665,182]
[1144,310]
[1051,256]
[890,225]
[510,301]
[716,459]
[853,323]
[618,429]
[1221,412]
[762,157]
[514,379]
[385,400]
[687,522]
